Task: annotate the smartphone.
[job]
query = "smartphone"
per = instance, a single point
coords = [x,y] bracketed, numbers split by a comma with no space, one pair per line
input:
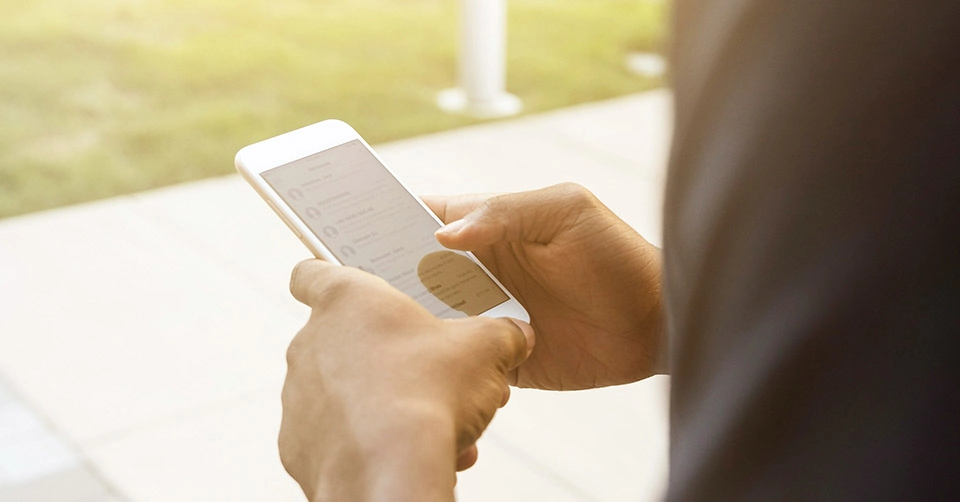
[337,196]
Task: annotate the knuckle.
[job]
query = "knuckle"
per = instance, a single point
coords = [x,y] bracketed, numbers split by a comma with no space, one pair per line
[505,389]
[492,398]
[303,346]
[284,445]
[493,206]
[500,208]
[337,284]
[472,427]
[293,352]
[508,342]
[514,339]
[332,287]
[575,193]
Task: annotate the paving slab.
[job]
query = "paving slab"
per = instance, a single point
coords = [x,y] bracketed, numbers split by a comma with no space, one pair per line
[149,330]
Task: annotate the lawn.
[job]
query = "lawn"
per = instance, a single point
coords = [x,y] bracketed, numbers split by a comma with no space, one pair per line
[104,97]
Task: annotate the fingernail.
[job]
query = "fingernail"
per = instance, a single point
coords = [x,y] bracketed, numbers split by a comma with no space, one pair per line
[452,228]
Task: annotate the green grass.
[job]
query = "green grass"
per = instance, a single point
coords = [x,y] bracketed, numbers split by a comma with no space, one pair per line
[104,97]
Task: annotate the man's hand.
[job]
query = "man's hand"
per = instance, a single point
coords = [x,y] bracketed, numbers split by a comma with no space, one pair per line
[590,283]
[383,400]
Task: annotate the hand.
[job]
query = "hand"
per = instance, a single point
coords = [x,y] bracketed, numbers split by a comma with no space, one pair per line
[590,283]
[381,397]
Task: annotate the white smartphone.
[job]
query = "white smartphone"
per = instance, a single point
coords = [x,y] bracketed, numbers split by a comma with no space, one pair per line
[327,184]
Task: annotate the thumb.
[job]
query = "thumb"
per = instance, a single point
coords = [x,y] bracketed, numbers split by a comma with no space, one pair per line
[537,216]
[505,342]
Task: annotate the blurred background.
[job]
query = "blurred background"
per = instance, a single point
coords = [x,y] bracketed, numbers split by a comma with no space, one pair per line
[143,303]
[99,98]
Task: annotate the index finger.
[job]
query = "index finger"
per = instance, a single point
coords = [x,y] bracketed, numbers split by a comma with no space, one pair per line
[305,275]
[454,207]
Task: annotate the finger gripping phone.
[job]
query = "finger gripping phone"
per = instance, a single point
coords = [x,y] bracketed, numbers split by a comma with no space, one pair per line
[337,196]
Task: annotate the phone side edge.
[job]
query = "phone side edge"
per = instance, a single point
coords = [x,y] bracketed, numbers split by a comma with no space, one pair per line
[283,211]
[510,308]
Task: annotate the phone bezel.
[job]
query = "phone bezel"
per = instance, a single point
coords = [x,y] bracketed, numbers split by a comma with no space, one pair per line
[254,159]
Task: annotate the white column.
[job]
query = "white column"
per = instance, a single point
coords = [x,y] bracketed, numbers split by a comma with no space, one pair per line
[483,67]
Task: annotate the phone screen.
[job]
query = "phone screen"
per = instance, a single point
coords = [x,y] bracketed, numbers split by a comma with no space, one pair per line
[362,214]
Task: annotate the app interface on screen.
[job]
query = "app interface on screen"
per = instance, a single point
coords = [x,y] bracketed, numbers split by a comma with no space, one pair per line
[362,214]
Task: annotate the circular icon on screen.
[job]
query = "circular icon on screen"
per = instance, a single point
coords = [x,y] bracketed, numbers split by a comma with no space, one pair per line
[295,194]
[348,252]
[313,212]
[331,232]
